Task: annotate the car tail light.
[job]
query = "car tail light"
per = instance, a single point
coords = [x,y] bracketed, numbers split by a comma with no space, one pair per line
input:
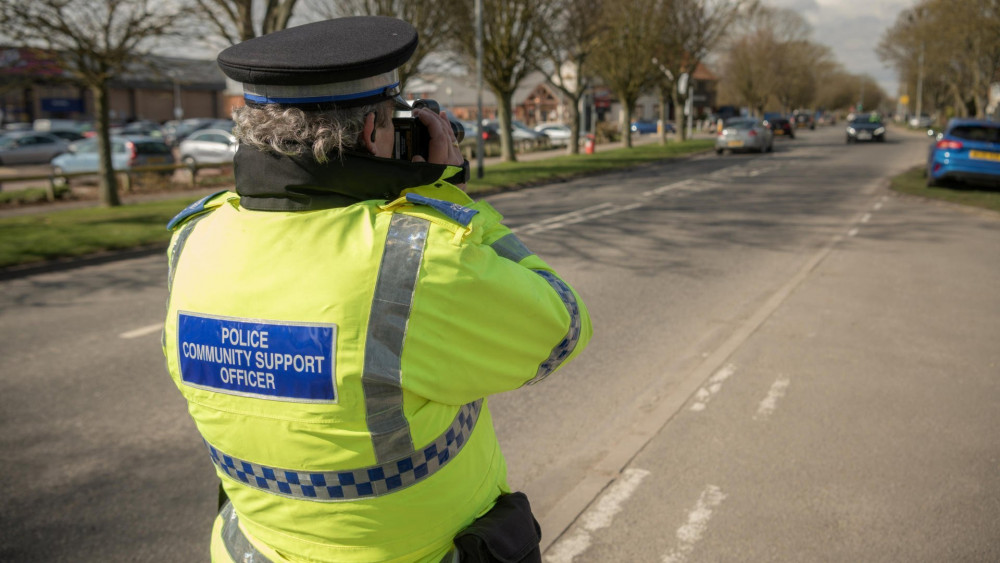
[132,153]
[949,144]
[752,133]
[486,136]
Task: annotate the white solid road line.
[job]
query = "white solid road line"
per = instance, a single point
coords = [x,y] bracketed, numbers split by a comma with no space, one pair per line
[691,532]
[597,516]
[142,331]
[770,402]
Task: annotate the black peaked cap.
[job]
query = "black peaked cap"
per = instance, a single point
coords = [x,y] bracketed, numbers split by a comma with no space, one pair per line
[323,52]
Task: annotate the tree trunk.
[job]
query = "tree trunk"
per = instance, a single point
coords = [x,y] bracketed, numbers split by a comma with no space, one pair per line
[108,186]
[507,153]
[574,125]
[664,115]
[678,115]
[627,125]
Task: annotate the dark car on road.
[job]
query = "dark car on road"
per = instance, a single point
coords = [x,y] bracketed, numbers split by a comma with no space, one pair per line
[865,127]
[781,127]
[968,150]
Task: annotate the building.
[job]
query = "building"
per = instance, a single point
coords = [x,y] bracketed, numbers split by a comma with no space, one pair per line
[34,86]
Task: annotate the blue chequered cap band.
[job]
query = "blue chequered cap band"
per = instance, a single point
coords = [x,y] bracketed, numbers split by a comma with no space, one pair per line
[565,346]
[352,484]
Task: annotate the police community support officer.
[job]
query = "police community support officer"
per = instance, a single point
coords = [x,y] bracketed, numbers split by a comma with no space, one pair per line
[337,323]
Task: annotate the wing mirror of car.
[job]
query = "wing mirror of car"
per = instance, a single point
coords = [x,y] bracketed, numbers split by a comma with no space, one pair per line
[71,148]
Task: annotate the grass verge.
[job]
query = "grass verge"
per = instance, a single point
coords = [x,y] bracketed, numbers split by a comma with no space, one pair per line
[79,232]
[914,182]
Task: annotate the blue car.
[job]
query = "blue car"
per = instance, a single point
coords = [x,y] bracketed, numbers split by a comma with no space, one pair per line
[646,127]
[967,151]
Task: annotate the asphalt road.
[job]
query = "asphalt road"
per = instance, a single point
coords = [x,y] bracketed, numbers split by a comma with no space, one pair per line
[790,363]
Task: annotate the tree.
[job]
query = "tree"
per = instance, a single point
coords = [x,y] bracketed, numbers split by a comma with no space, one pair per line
[566,46]
[233,20]
[954,47]
[511,38]
[430,17]
[623,60]
[691,30]
[94,41]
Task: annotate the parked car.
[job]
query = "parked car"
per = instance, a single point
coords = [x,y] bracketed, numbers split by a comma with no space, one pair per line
[744,134]
[522,132]
[69,135]
[126,153]
[208,146]
[30,147]
[968,150]
[558,134]
[643,127]
[865,127]
[490,131]
[176,131]
[921,121]
[781,127]
[138,129]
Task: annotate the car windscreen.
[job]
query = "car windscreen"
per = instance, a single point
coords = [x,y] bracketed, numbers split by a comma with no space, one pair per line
[865,119]
[976,133]
[149,147]
[740,125]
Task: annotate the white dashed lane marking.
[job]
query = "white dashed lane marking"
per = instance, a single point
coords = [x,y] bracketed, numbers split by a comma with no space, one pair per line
[697,523]
[705,394]
[142,331]
[770,402]
[600,515]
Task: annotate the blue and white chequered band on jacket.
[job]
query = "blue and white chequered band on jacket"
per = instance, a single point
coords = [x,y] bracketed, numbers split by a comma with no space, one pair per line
[565,347]
[352,484]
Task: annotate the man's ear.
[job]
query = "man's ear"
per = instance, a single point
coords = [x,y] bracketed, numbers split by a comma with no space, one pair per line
[368,133]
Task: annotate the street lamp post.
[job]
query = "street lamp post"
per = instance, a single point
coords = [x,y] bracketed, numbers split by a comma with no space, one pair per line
[480,143]
[920,82]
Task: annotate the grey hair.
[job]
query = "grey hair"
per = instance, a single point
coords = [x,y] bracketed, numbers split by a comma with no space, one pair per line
[293,132]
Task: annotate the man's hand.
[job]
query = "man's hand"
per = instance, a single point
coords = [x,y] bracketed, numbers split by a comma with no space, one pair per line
[443,147]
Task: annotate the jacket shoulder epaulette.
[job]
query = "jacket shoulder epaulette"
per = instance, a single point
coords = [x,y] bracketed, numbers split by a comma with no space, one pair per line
[197,208]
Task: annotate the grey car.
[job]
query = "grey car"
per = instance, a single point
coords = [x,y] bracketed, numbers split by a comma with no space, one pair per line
[744,134]
[30,147]
[208,146]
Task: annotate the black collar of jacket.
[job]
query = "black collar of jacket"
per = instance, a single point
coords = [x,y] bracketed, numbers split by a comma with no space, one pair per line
[273,182]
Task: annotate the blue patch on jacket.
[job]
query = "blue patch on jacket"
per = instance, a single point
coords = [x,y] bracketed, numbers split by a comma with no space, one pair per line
[459,213]
[191,210]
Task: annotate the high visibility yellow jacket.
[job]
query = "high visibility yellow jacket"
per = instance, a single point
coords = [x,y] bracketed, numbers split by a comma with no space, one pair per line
[337,362]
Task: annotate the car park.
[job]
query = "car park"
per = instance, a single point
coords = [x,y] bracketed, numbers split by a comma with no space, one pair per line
[781,127]
[968,150]
[208,146]
[865,127]
[30,147]
[126,153]
[744,134]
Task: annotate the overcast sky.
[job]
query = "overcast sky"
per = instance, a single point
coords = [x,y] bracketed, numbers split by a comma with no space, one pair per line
[852,28]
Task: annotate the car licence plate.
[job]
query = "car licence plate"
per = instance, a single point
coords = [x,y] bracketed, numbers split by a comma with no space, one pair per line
[864,135]
[156,160]
[983,155]
[734,144]
[779,131]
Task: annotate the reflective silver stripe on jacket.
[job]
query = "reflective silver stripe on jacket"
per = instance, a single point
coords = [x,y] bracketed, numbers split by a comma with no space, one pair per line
[237,544]
[511,248]
[565,346]
[352,484]
[390,314]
